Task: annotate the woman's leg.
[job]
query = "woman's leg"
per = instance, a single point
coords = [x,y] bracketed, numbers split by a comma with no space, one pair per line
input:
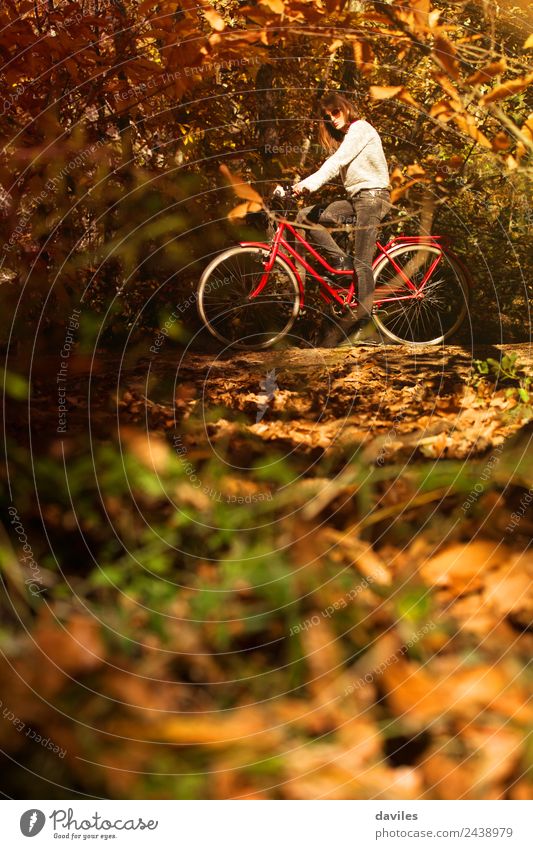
[338,212]
[369,210]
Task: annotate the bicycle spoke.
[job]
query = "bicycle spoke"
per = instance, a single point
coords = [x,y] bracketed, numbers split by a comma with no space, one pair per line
[229,312]
[441,306]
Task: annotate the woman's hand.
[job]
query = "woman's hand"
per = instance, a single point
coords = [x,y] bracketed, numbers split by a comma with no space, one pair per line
[298,189]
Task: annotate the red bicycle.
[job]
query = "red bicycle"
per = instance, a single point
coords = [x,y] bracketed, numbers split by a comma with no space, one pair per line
[250,295]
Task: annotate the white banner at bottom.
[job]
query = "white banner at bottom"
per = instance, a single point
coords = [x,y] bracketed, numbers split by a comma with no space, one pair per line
[268,824]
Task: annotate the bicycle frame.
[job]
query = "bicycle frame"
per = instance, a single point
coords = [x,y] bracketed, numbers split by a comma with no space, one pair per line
[279,246]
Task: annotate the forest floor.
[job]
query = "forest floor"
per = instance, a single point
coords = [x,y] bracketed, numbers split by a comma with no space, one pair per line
[394,404]
[398,403]
[363,632]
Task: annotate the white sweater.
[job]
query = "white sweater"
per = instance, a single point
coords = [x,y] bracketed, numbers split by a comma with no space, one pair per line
[359,160]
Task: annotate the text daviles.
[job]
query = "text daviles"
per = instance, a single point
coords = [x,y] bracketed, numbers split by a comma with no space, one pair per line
[65,819]
[397,815]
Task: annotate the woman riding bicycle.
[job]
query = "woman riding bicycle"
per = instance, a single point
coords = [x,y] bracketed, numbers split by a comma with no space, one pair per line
[359,160]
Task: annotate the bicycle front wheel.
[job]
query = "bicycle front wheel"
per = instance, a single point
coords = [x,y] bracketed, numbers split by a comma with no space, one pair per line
[437,306]
[227,308]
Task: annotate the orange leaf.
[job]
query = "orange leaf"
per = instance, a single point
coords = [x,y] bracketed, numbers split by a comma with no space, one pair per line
[399,92]
[461,567]
[527,127]
[398,193]
[363,56]
[241,189]
[455,161]
[445,54]
[73,647]
[406,97]
[528,43]
[380,92]
[421,14]
[468,126]
[148,4]
[322,651]
[442,111]
[433,18]
[500,141]
[277,6]
[243,209]
[217,730]
[217,21]
[510,591]
[415,170]
[485,74]
[333,5]
[148,448]
[334,46]
[527,131]
[507,89]
[447,85]
[396,177]
[419,695]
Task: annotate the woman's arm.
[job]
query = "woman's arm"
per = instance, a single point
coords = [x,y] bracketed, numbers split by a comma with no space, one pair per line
[358,135]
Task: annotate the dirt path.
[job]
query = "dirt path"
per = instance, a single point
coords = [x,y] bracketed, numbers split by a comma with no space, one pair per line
[391,400]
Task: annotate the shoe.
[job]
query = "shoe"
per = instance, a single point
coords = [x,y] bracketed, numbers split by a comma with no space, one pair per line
[348,332]
[363,335]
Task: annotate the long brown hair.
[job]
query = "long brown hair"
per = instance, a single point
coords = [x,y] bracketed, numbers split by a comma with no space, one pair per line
[329,137]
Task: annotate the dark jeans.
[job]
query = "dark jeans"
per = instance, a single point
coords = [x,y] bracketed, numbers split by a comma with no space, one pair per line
[364,212]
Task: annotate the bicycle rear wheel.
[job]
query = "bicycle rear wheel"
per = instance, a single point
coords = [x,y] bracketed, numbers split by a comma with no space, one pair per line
[230,314]
[435,310]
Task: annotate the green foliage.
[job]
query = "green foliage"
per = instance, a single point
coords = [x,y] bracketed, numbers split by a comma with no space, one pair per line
[506,371]
[15,385]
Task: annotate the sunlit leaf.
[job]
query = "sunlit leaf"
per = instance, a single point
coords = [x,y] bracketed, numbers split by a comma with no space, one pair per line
[396,176]
[433,18]
[214,19]
[363,56]
[398,92]
[396,194]
[442,111]
[447,85]
[485,74]
[241,189]
[243,209]
[445,54]
[277,6]
[384,92]
[415,170]
[467,125]
[421,15]
[500,141]
[507,89]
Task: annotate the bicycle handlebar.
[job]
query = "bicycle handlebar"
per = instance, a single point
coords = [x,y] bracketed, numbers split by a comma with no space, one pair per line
[283,192]
[283,197]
